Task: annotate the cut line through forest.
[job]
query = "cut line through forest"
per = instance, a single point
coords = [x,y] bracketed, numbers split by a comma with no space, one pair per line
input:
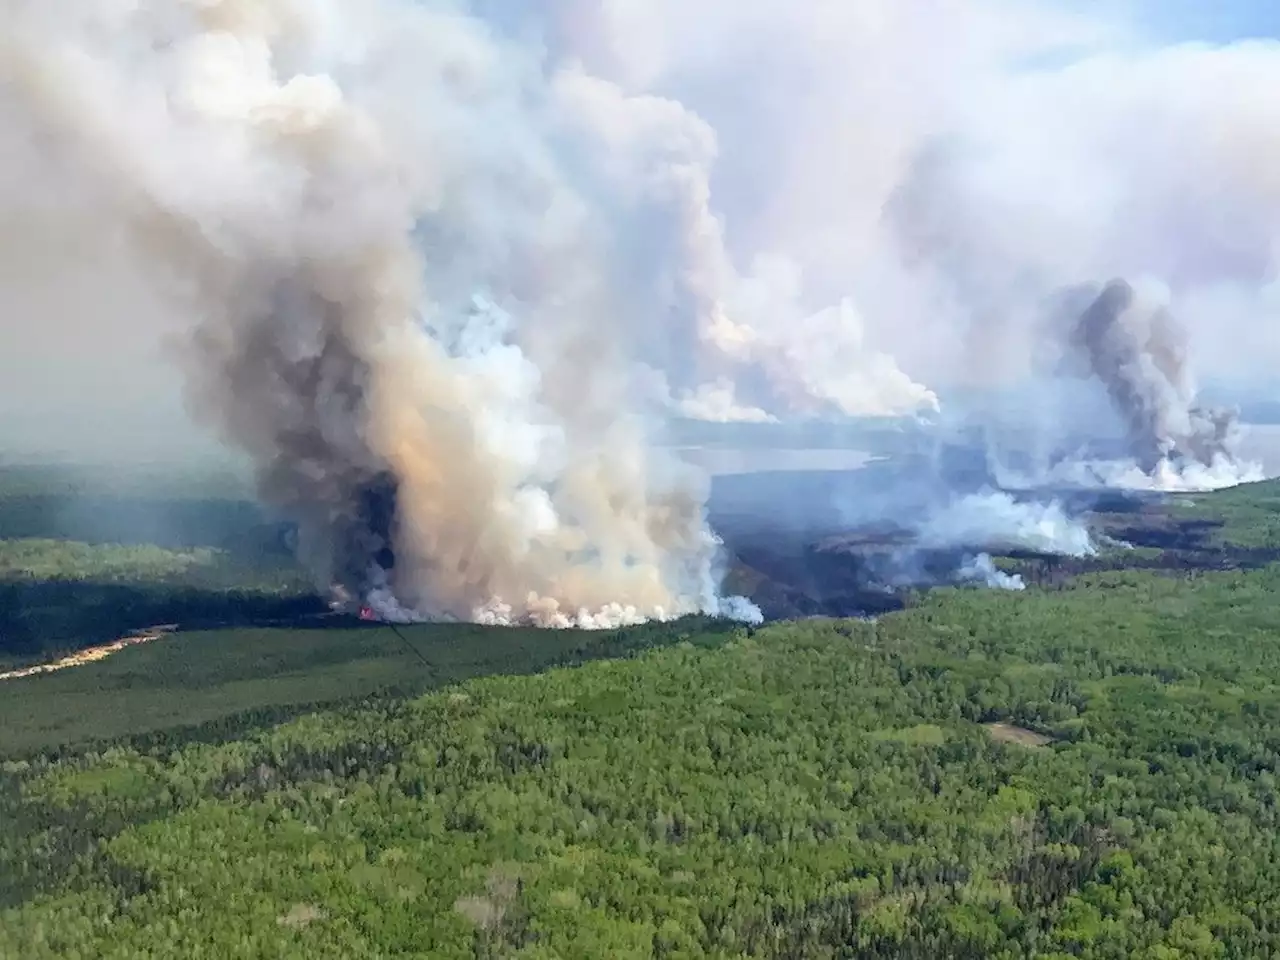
[91,654]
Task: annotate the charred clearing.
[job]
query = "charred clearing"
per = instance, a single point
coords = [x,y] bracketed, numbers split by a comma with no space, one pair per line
[1157,542]
[803,561]
[790,577]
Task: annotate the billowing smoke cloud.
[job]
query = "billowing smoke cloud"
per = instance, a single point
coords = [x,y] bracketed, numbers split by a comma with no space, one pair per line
[1139,354]
[401,288]
[942,193]
[1118,404]
[446,263]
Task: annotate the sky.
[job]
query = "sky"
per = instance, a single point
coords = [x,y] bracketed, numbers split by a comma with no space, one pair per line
[1211,21]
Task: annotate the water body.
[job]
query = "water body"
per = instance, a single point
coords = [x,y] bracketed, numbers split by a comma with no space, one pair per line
[1260,443]
[734,461]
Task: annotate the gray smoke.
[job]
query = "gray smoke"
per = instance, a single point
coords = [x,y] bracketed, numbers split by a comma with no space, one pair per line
[1138,352]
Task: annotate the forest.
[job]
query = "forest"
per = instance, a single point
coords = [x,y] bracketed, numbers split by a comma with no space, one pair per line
[1084,769]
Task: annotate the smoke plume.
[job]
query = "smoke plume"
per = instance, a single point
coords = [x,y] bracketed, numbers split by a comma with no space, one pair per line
[1118,343]
[402,304]
[442,268]
[1139,354]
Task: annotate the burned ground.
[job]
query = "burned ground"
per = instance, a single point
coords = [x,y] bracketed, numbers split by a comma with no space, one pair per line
[792,577]
[799,569]
[1155,540]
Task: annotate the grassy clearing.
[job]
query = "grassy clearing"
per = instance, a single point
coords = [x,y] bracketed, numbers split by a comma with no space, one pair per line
[1008,733]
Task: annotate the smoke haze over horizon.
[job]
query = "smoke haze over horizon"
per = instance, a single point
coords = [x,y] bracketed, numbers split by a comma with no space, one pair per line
[442,269]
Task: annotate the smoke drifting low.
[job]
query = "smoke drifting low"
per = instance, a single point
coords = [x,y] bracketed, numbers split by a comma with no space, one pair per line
[997,521]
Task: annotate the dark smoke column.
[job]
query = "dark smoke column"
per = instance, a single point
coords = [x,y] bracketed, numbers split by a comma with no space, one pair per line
[1139,354]
[285,370]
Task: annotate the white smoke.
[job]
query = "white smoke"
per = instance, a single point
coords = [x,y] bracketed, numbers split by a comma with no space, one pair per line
[944,191]
[982,569]
[716,403]
[1167,476]
[996,520]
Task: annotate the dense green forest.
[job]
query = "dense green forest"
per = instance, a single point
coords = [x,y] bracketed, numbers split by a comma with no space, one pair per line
[825,788]
[1085,769]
